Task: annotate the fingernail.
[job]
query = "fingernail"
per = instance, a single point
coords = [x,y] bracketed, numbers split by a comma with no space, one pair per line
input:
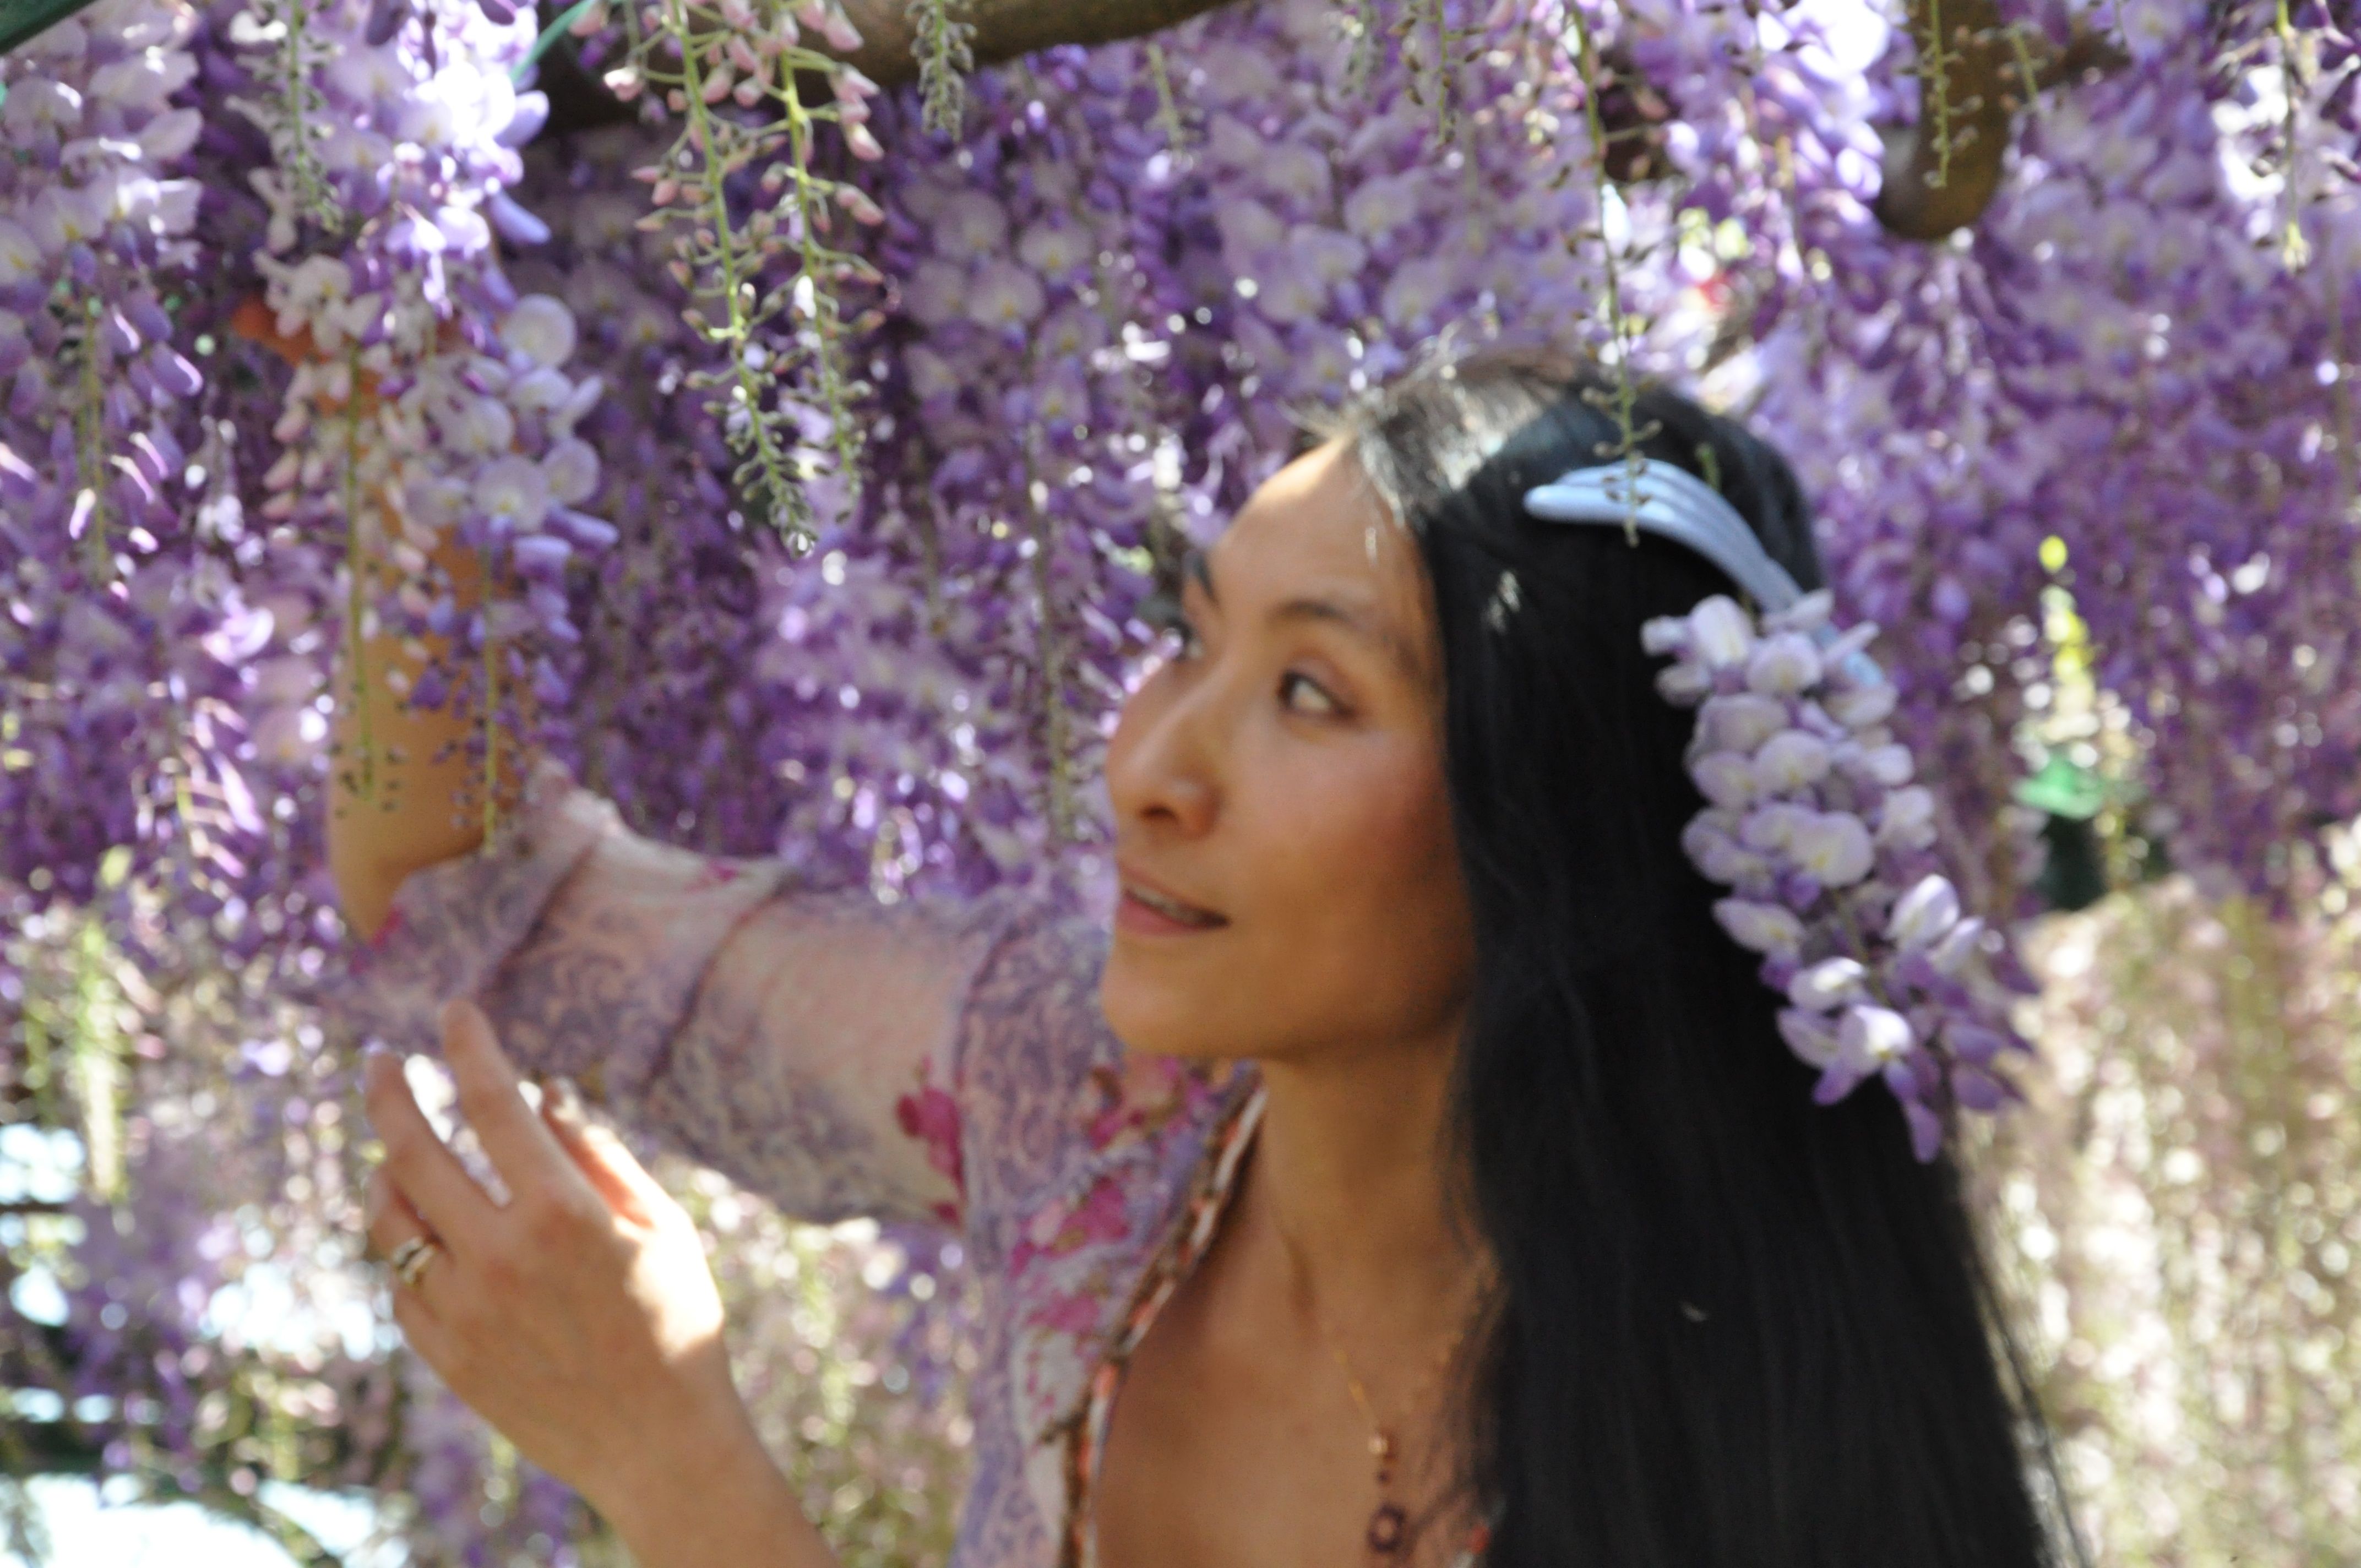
[559,1096]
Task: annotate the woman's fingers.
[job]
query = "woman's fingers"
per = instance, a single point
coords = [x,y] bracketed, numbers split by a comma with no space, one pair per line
[422,1166]
[394,1224]
[520,1144]
[580,1318]
[619,1178]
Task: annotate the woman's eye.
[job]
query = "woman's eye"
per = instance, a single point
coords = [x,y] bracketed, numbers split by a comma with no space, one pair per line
[1291,682]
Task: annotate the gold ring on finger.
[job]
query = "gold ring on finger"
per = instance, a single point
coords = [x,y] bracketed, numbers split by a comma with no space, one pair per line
[410,1259]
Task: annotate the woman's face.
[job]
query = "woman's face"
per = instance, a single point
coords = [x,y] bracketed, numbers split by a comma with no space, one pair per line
[1281,776]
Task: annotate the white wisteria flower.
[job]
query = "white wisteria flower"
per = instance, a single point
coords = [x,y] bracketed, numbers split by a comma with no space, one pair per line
[1810,1036]
[1790,760]
[1830,984]
[20,256]
[512,490]
[1870,1036]
[540,328]
[1784,665]
[571,466]
[1771,929]
[1740,721]
[1720,634]
[1925,914]
[1907,819]
[1831,847]
[1712,846]
[1003,294]
[1724,778]
[1863,707]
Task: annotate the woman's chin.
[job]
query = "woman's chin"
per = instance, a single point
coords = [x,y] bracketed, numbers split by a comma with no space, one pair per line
[1154,1015]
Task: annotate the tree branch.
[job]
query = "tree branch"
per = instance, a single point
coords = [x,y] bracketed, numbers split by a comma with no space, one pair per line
[1005,30]
[1941,173]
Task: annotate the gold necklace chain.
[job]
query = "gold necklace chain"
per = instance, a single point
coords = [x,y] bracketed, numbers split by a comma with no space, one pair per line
[1388,1526]
[1360,1392]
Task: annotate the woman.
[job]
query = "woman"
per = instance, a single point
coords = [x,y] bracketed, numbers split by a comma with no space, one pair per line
[1414,1174]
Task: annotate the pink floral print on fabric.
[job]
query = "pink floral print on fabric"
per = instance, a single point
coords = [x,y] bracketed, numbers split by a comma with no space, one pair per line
[1057,1230]
[931,1116]
[1139,1094]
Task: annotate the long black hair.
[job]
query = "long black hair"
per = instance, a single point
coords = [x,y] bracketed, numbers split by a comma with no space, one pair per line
[1731,1329]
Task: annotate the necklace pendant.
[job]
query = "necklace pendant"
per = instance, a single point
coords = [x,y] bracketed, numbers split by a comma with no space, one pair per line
[1386,1527]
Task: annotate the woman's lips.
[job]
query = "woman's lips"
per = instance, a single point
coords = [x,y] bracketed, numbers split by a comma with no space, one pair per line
[1149,910]
[1145,919]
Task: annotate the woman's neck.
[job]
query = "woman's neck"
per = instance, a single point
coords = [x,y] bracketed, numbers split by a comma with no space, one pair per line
[1345,1213]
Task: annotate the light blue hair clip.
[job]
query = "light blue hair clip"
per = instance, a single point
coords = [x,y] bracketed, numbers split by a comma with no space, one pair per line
[1674,504]
[1669,501]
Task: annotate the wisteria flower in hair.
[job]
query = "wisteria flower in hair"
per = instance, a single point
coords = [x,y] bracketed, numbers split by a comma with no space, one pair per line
[1812,822]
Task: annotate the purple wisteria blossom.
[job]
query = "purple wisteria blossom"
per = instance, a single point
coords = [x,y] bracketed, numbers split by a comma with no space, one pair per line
[2106,433]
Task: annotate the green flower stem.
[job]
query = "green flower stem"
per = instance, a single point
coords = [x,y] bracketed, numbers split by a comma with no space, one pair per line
[1627,395]
[363,782]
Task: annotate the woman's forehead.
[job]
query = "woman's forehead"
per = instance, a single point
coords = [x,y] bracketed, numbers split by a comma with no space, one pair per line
[1317,529]
[1319,514]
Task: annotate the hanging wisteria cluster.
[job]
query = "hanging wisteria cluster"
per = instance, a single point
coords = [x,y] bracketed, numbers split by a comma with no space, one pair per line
[1813,823]
[823,444]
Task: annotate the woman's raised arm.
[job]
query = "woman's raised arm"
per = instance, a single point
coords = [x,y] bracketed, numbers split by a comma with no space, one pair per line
[400,774]
[803,1041]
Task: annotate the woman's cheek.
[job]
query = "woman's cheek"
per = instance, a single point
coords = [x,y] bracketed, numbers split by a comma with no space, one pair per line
[1416,905]
[1361,904]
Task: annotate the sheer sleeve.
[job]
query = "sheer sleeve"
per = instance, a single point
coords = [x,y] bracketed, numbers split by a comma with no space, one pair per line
[803,1042]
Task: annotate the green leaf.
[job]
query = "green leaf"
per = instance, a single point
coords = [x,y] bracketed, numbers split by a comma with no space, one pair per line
[2063,788]
[23,20]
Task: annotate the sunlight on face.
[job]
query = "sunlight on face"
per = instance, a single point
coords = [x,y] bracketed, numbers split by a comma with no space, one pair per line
[1281,826]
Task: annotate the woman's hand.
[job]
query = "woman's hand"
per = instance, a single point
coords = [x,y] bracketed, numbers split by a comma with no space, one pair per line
[579,1317]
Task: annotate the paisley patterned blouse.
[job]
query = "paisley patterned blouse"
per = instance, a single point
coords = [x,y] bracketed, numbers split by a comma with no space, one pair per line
[847,1057]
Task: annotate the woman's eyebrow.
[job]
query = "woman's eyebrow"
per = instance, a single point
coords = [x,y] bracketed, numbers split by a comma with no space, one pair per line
[1196,567]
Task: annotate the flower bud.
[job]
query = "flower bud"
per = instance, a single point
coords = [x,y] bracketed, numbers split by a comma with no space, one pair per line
[1924,914]
[1863,707]
[1665,634]
[1683,684]
[1956,945]
[1809,1036]
[1759,927]
[1720,633]
[1870,1035]
[1830,984]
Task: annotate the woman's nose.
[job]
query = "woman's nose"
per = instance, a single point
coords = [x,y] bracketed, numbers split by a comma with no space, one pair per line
[1158,769]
